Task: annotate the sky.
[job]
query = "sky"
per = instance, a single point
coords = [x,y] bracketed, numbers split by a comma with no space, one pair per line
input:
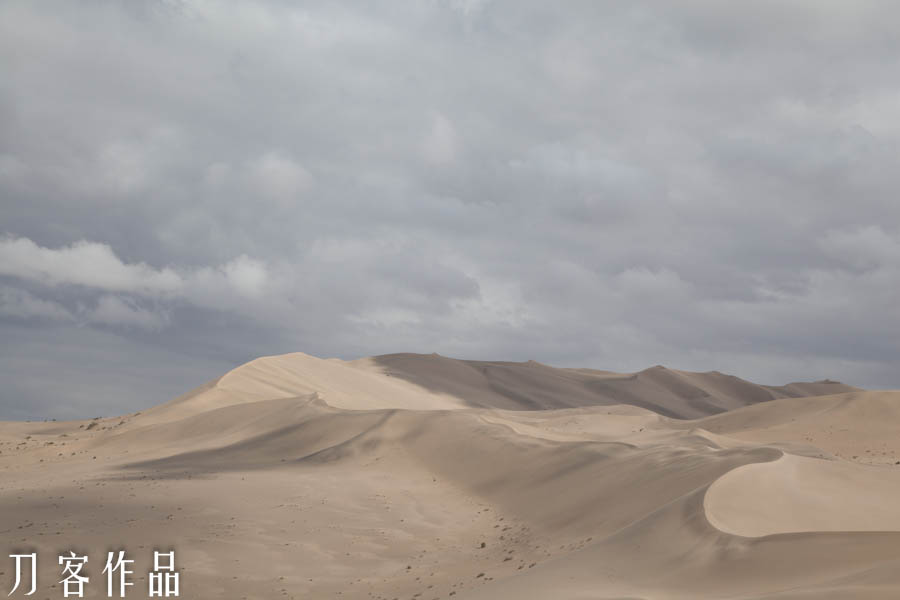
[188,185]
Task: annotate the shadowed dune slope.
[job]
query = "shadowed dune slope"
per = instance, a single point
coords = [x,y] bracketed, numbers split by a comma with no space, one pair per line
[534,386]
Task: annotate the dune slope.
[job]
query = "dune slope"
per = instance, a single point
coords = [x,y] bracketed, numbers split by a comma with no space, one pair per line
[533,386]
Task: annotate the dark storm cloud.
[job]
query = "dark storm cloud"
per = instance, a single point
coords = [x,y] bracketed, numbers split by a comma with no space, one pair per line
[187,185]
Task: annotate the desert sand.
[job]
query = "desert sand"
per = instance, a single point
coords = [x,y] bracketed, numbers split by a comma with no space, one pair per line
[419,477]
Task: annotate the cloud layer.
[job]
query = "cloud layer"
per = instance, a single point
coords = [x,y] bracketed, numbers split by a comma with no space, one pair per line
[187,186]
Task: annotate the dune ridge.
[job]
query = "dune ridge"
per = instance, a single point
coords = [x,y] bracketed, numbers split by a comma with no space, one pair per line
[421,476]
[434,382]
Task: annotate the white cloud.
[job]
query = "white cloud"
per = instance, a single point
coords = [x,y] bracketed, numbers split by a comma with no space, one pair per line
[86,264]
[95,268]
[249,277]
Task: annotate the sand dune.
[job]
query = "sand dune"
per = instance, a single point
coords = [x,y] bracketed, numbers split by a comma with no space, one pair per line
[859,426]
[803,494]
[421,476]
[532,386]
[434,382]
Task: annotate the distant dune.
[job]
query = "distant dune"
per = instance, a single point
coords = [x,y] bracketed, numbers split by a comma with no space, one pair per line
[533,386]
[422,476]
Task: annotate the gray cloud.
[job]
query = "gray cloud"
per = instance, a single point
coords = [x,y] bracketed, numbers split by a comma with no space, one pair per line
[184,186]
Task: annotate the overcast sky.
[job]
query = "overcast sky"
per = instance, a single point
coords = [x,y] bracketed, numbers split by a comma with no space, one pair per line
[185,186]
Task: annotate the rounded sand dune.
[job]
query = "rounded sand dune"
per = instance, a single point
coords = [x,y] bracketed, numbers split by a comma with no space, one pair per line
[799,494]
